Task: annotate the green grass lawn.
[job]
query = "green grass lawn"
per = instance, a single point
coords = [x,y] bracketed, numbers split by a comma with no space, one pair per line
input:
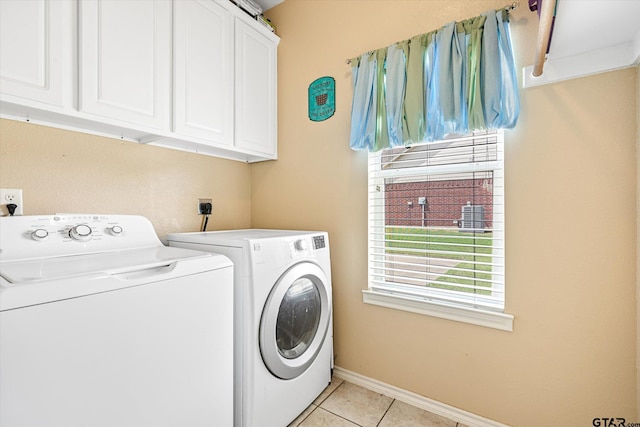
[470,249]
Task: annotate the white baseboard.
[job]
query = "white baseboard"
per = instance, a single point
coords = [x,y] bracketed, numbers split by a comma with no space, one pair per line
[439,408]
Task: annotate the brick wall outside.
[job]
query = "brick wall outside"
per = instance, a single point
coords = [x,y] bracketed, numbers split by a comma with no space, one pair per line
[444,201]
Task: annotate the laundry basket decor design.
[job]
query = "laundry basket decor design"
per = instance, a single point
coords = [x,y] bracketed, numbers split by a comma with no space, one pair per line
[321,99]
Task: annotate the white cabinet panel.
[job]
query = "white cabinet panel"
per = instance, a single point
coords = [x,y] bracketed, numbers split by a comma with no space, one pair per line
[125,60]
[33,40]
[255,108]
[203,71]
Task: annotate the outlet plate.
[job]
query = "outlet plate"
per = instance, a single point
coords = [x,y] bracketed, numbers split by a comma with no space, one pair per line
[200,202]
[8,196]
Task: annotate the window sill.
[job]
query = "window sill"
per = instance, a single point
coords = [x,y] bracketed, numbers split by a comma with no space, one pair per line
[489,319]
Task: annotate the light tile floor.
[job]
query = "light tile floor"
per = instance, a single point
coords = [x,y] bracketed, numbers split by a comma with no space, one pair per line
[343,404]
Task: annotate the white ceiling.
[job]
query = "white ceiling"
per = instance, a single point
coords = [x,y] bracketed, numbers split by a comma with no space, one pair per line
[268,4]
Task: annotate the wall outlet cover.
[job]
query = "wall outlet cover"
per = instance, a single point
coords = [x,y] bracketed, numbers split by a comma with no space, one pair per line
[10,196]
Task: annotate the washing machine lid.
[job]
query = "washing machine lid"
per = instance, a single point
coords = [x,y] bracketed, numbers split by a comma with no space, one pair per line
[235,237]
[43,280]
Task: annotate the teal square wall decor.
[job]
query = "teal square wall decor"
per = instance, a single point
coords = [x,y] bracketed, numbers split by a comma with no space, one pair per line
[322,99]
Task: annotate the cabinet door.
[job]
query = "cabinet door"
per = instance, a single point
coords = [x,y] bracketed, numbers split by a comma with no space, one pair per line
[33,43]
[125,60]
[203,71]
[256,118]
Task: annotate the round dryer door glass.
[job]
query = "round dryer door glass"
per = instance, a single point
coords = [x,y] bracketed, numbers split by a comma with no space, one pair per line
[298,318]
[295,320]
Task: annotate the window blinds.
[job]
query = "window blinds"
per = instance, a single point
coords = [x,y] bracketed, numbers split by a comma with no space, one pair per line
[436,221]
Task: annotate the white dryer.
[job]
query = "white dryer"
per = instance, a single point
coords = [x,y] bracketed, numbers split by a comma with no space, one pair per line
[283,319]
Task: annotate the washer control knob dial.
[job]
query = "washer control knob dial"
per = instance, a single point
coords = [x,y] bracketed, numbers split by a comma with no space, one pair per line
[301,245]
[39,234]
[116,230]
[81,232]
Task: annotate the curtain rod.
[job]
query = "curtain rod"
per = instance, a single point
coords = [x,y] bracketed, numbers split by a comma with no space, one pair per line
[544,35]
[508,8]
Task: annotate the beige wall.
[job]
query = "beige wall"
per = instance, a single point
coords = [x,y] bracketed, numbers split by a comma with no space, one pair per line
[571,226]
[64,171]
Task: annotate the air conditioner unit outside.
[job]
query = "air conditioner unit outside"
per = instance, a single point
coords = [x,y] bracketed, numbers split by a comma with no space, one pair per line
[472,218]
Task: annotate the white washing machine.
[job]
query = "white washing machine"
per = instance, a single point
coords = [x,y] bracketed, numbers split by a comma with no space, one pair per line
[283,320]
[103,326]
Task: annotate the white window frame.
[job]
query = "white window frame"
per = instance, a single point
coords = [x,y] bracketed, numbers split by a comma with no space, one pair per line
[428,301]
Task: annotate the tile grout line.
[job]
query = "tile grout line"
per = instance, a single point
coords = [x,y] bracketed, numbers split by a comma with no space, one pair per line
[304,419]
[332,391]
[340,416]
[347,419]
[325,409]
[320,403]
[385,412]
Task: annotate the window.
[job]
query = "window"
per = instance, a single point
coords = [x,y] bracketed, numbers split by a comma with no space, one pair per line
[436,229]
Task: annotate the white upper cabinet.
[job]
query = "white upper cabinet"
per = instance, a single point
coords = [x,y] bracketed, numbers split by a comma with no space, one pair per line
[35,42]
[203,71]
[193,75]
[255,100]
[125,60]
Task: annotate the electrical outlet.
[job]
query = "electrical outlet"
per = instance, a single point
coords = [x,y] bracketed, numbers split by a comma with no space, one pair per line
[202,206]
[10,196]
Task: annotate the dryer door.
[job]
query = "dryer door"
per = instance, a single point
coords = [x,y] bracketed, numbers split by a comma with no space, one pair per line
[295,320]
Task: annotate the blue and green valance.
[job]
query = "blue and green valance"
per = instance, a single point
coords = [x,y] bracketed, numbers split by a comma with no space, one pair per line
[455,80]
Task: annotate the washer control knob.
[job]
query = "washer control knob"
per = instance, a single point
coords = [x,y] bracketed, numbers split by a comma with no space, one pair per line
[81,232]
[116,230]
[301,245]
[39,234]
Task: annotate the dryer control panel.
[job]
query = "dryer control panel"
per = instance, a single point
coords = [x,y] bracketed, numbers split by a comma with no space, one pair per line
[306,245]
[318,242]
